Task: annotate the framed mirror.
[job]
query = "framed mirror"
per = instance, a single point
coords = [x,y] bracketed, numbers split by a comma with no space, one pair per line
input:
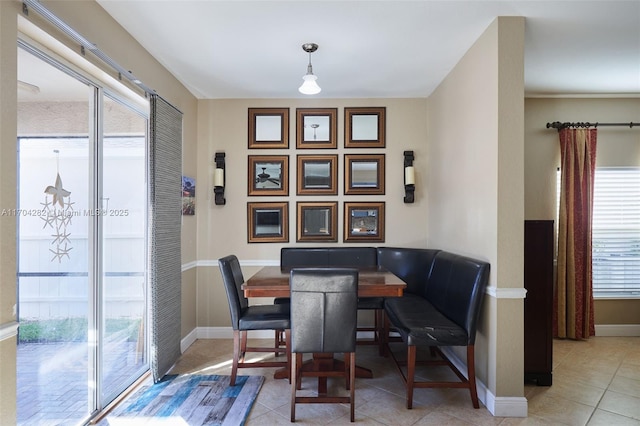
[268,175]
[316,128]
[317,175]
[364,174]
[364,127]
[268,128]
[317,221]
[268,222]
[363,221]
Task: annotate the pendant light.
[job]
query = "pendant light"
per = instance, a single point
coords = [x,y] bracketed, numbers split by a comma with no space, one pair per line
[309,86]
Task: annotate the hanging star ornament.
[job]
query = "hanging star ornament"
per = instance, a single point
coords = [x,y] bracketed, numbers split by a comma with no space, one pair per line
[58,218]
[58,192]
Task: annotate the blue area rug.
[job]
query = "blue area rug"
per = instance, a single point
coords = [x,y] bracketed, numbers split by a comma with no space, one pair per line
[189,400]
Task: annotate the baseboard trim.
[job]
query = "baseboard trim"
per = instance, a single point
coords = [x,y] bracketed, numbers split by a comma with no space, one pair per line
[618,330]
[507,406]
[188,340]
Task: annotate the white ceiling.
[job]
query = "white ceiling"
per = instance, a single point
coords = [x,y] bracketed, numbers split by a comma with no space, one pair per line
[371,49]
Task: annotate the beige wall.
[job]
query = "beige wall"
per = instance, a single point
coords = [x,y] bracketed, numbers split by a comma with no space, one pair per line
[8,125]
[617,146]
[475,180]
[97,26]
[223,126]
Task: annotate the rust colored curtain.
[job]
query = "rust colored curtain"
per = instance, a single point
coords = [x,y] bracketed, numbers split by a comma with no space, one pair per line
[574,290]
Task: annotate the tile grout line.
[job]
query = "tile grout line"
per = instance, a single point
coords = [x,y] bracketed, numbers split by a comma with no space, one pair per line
[607,389]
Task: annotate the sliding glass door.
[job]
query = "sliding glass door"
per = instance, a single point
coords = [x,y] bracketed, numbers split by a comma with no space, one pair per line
[81,242]
[123,246]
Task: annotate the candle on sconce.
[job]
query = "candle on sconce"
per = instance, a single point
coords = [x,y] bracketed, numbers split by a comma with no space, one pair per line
[218,178]
[409,175]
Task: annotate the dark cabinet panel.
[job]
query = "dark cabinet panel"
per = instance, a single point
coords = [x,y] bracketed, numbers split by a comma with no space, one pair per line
[538,304]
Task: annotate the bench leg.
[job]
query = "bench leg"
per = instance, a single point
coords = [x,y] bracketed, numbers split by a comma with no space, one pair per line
[411,371]
[379,325]
[471,375]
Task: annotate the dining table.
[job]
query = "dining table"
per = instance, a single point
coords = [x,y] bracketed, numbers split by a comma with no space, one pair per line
[273,281]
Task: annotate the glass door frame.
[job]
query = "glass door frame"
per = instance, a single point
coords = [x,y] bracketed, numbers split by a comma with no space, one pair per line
[98,399]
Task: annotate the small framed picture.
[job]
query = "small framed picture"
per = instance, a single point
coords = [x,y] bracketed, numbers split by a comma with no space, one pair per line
[188,196]
[316,128]
[268,222]
[364,127]
[363,221]
[317,221]
[268,128]
[268,175]
[317,175]
[364,174]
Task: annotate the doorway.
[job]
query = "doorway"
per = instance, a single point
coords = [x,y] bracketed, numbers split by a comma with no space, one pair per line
[81,241]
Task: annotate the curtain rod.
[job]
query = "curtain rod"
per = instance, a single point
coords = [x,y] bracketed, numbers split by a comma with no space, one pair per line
[559,125]
[84,43]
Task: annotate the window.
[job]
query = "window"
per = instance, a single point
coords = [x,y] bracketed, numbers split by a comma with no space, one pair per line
[616,232]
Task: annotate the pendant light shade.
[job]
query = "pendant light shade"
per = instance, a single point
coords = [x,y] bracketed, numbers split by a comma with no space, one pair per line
[309,85]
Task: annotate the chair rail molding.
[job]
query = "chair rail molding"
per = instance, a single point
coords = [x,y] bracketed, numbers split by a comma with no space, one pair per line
[9,330]
[506,293]
[250,262]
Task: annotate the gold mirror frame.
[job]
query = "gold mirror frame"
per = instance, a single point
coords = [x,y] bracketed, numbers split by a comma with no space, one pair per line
[309,184]
[364,221]
[368,134]
[268,222]
[314,231]
[281,140]
[316,122]
[353,183]
[264,171]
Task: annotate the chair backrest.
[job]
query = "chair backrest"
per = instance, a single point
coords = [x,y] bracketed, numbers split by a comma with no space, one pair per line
[295,257]
[456,288]
[353,257]
[411,265]
[343,257]
[233,280]
[324,305]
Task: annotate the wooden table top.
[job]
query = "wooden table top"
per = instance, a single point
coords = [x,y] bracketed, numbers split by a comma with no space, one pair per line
[273,281]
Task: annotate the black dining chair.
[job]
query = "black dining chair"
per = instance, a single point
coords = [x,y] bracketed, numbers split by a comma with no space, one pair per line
[324,307]
[245,318]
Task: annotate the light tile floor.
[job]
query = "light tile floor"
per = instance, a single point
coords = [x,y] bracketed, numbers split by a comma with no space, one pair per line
[595,382]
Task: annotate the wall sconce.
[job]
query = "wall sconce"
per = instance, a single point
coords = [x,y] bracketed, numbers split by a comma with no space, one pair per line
[218,179]
[409,177]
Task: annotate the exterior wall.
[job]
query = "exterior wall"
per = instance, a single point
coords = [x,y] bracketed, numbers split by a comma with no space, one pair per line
[617,146]
[476,207]
[223,126]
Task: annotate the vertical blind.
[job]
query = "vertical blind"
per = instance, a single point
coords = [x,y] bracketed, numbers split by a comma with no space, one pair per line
[165,209]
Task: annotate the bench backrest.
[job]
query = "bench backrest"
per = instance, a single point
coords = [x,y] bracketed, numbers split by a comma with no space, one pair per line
[412,265]
[456,287]
[291,257]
